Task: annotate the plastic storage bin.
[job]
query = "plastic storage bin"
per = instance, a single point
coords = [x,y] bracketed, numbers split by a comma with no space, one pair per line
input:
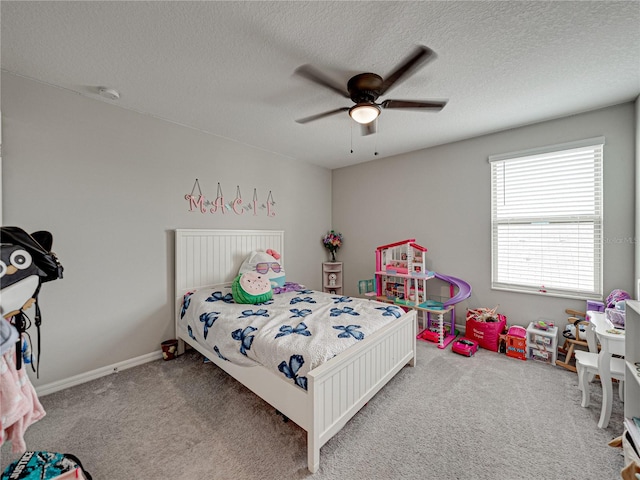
[542,345]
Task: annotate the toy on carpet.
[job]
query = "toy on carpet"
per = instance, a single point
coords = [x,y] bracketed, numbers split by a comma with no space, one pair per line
[464,346]
[485,325]
[464,292]
[436,331]
[431,334]
[401,277]
[517,342]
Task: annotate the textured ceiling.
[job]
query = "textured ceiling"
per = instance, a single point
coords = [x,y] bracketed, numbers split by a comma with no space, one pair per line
[227,67]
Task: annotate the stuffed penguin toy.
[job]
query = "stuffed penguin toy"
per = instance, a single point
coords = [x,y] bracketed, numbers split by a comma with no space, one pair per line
[19,279]
[251,287]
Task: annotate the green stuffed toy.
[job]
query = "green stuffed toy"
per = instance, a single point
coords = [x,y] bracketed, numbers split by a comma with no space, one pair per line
[251,287]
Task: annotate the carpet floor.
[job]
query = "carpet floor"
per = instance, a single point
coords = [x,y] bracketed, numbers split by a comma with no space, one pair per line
[449,417]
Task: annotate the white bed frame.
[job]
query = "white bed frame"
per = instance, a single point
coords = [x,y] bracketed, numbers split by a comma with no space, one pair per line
[339,388]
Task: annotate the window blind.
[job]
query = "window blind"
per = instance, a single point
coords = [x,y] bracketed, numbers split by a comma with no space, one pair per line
[546,218]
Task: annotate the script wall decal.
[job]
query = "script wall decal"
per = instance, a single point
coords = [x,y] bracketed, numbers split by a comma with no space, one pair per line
[199,202]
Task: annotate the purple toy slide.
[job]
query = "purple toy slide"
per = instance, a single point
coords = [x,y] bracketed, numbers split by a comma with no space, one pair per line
[464,292]
[464,289]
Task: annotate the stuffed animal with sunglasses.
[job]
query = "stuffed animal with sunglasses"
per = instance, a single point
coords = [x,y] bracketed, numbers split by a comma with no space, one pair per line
[267,264]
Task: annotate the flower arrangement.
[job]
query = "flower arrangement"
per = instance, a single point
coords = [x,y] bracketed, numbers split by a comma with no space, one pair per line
[332,241]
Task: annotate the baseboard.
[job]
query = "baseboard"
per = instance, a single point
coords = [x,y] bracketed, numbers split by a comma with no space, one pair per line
[97,373]
[114,368]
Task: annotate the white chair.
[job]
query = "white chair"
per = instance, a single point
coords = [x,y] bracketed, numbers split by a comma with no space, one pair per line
[587,366]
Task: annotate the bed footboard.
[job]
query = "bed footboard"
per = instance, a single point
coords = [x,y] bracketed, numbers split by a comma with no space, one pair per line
[342,386]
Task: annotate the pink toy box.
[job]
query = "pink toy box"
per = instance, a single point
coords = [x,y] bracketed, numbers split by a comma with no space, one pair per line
[464,346]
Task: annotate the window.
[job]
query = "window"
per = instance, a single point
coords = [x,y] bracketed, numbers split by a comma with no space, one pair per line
[546,220]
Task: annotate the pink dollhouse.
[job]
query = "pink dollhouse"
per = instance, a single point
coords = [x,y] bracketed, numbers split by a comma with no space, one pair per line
[401,273]
[401,277]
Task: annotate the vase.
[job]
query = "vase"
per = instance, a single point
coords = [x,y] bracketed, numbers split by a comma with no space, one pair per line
[333,255]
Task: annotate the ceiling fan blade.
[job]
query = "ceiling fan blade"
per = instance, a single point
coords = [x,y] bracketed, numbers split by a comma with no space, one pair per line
[322,115]
[416,59]
[370,128]
[315,75]
[432,104]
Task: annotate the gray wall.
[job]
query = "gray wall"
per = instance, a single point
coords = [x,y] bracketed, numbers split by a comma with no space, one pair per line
[636,238]
[441,197]
[109,184]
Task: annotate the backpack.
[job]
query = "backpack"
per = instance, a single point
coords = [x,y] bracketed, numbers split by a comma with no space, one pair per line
[38,244]
[44,264]
[41,465]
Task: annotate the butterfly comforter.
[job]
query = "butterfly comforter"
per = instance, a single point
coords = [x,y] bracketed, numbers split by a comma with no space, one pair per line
[291,334]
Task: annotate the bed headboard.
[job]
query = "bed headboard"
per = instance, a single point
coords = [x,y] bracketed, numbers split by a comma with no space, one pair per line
[209,257]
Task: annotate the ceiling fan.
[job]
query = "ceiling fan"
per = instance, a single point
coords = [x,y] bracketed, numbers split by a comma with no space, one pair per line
[365,88]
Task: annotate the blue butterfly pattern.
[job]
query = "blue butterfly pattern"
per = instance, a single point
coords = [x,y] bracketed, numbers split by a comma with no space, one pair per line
[190,332]
[298,300]
[186,300]
[300,329]
[208,319]
[217,350]
[341,299]
[300,313]
[258,313]
[349,331]
[390,310]
[336,312]
[218,297]
[244,337]
[291,370]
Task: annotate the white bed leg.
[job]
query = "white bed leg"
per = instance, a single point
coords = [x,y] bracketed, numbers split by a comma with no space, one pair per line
[181,347]
[313,454]
[412,362]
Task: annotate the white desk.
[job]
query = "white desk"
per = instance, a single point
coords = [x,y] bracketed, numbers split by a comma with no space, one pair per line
[611,344]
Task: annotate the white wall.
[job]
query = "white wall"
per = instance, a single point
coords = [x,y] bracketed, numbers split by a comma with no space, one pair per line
[636,238]
[441,197]
[109,184]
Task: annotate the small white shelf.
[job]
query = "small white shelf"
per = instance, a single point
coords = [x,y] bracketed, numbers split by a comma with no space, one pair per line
[332,277]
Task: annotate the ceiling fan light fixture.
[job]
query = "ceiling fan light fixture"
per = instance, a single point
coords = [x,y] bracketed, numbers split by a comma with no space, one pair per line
[364,112]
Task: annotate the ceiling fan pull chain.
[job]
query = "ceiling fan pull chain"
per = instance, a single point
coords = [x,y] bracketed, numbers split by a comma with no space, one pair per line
[375,141]
[351,137]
